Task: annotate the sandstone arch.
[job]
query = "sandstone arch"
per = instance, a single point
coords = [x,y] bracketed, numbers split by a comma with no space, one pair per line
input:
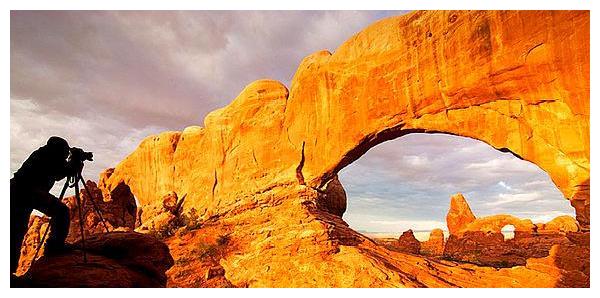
[495,224]
[517,80]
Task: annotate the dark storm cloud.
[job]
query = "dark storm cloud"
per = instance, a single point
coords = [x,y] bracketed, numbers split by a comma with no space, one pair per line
[101,77]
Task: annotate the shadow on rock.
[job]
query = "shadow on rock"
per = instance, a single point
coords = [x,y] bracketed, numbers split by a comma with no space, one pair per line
[118,259]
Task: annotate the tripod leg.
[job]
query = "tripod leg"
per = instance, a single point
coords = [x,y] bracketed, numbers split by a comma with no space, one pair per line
[96,209]
[64,189]
[80,218]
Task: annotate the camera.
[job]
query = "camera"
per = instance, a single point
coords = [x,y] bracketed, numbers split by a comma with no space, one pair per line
[78,155]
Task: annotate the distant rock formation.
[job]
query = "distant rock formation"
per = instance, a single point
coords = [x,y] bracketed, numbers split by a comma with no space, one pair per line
[434,246]
[516,80]
[459,215]
[561,224]
[117,259]
[481,241]
[408,243]
[495,224]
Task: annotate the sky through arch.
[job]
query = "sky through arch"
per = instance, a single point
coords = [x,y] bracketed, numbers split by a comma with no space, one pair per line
[406,183]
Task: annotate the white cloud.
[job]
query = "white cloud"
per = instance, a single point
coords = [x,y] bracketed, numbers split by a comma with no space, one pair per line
[415,160]
[505,198]
[536,183]
[506,186]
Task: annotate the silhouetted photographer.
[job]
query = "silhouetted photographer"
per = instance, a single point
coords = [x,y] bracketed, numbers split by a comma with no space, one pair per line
[30,189]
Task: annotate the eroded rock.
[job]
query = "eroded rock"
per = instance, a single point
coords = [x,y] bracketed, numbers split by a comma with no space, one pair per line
[32,241]
[516,80]
[482,242]
[117,207]
[408,243]
[459,215]
[434,246]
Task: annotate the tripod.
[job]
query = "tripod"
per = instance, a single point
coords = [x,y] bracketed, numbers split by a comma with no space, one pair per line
[73,181]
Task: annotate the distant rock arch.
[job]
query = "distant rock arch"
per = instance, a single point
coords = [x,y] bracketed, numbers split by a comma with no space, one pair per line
[508,231]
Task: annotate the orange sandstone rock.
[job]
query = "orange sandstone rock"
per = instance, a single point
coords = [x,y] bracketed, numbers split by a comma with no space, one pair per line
[459,215]
[482,242]
[495,223]
[563,224]
[460,219]
[516,80]
[489,75]
[408,243]
[118,212]
[31,242]
[434,246]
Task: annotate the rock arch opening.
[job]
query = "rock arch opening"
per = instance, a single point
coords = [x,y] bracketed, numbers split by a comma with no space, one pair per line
[508,231]
[406,183]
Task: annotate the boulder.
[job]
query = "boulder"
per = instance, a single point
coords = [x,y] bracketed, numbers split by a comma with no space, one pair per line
[163,216]
[117,259]
[117,208]
[334,200]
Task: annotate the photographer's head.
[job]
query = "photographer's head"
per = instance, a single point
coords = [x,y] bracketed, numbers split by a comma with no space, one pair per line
[59,146]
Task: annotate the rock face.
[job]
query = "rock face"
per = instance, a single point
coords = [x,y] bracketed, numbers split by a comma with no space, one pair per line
[434,246]
[516,80]
[459,215]
[118,259]
[570,261]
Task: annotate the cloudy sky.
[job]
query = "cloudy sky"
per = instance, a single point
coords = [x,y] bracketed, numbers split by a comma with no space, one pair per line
[105,80]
